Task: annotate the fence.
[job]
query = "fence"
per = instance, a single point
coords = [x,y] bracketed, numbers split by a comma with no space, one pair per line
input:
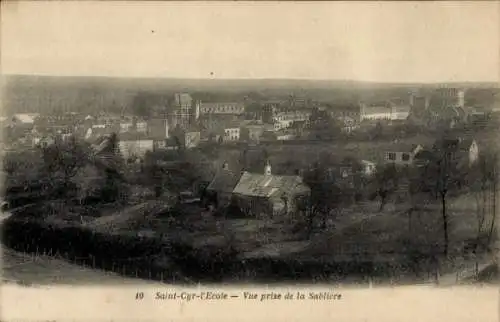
[124,267]
[150,259]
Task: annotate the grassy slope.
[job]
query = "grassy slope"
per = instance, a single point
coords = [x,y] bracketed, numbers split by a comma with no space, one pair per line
[45,270]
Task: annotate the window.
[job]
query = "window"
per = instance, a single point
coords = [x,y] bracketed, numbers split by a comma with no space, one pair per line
[405,157]
[391,156]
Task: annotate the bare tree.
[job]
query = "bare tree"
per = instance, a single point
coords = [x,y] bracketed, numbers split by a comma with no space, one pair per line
[384,183]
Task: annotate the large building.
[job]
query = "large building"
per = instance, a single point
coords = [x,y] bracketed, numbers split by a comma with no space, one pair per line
[222,108]
[184,111]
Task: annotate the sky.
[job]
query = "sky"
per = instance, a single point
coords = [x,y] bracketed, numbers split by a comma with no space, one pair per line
[369,41]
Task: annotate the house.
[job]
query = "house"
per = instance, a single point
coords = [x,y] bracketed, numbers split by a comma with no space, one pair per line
[135,145]
[222,108]
[214,124]
[402,154]
[225,133]
[399,110]
[462,149]
[231,133]
[285,119]
[24,118]
[186,138]
[374,111]
[266,194]
[222,185]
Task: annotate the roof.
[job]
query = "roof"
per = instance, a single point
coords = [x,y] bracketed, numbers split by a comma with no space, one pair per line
[25,117]
[377,109]
[260,185]
[366,162]
[224,181]
[217,104]
[403,147]
[424,155]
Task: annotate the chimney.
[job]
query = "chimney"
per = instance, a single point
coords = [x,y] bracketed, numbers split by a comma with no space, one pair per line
[267,168]
[412,99]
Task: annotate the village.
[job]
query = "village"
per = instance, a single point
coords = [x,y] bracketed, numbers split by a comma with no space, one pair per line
[280,178]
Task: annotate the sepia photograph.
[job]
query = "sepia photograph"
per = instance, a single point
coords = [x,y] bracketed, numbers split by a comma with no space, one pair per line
[270,144]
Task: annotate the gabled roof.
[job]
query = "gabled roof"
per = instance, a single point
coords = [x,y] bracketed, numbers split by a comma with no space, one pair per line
[403,147]
[260,185]
[27,118]
[224,181]
[377,109]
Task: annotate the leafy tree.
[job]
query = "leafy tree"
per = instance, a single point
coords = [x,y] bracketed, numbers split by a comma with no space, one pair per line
[324,198]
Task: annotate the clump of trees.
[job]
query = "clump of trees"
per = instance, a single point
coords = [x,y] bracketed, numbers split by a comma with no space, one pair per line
[444,176]
[75,172]
[178,171]
[330,191]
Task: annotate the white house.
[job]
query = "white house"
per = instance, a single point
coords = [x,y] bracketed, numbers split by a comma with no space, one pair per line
[24,118]
[135,145]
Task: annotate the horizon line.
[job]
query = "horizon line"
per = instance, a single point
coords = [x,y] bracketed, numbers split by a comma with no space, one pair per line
[3,75]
